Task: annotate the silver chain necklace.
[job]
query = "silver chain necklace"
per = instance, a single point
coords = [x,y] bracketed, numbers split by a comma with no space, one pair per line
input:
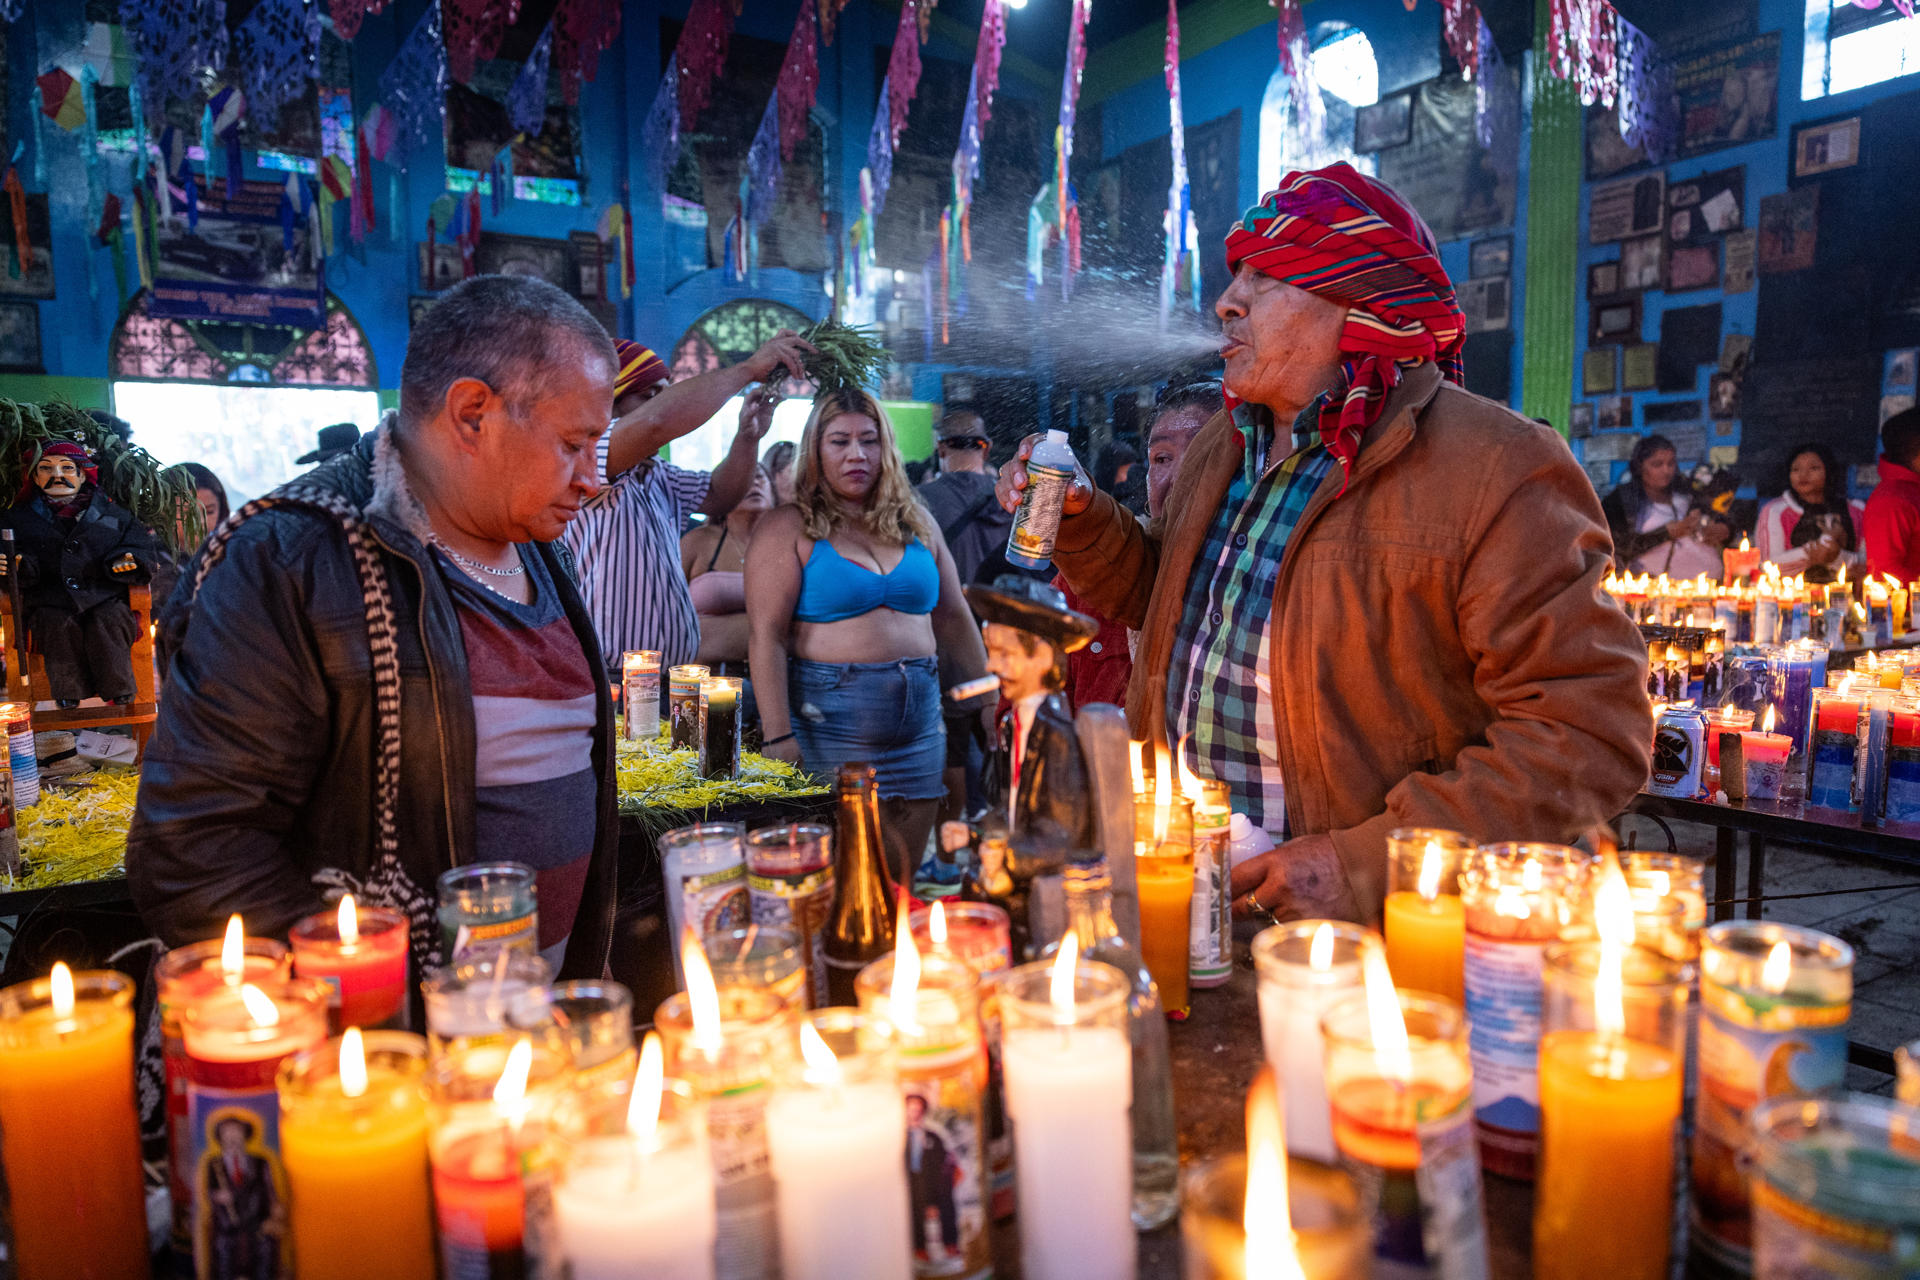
[466,563]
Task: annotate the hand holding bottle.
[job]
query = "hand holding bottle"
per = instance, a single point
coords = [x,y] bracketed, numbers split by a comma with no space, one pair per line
[1012,482]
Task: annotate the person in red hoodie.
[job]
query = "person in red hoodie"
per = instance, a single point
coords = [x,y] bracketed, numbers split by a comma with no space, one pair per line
[1892,524]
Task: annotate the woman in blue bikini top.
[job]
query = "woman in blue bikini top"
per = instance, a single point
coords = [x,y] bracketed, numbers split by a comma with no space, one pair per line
[853,603]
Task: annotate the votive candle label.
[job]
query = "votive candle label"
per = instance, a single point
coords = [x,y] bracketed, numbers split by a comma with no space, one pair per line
[1503,983]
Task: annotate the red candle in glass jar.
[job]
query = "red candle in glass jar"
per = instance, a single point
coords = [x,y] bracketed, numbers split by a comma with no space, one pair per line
[1904,729]
[361,953]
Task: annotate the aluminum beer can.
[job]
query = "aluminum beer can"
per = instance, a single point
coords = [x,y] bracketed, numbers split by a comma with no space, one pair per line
[1679,753]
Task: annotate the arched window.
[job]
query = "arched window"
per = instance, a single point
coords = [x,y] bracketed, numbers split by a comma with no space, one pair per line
[726,335]
[246,400]
[1349,77]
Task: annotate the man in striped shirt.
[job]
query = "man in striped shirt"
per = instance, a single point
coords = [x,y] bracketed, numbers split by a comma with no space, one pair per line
[626,541]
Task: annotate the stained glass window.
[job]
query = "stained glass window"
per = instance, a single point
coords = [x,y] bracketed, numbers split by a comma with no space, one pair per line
[154,348]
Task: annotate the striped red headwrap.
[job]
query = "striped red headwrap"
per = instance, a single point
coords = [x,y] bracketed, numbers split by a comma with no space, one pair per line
[1339,234]
[639,367]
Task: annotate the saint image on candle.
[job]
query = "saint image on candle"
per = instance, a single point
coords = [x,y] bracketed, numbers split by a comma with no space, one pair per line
[238,1188]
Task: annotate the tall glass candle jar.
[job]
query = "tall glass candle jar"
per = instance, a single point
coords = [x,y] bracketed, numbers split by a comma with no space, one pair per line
[183,976]
[1610,1100]
[354,1143]
[470,1001]
[720,726]
[1304,968]
[763,956]
[683,704]
[236,1038]
[1329,1223]
[1408,1142]
[1069,1086]
[17,720]
[636,1203]
[790,882]
[1210,962]
[491,906]
[594,1020]
[1424,922]
[833,1135]
[734,1080]
[69,1134]
[1163,876]
[942,1061]
[1518,898]
[640,694]
[1774,1002]
[494,1111]
[1836,1188]
[705,869]
[1676,876]
[980,936]
[361,953]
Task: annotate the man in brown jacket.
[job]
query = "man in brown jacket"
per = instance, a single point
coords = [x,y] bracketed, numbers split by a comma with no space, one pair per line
[1392,619]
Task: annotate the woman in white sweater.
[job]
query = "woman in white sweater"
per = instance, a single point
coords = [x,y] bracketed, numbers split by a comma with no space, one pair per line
[1812,527]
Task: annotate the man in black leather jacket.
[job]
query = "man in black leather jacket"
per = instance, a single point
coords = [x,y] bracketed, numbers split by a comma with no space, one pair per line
[318,730]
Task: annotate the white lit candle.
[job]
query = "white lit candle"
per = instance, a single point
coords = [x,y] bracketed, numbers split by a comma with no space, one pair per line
[1069,1082]
[639,1205]
[834,1139]
[1305,968]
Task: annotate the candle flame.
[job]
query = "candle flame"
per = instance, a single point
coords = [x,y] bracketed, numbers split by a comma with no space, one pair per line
[1530,875]
[1846,683]
[1136,759]
[1893,583]
[1060,986]
[1841,581]
[1859,612]
[1613,920]
[1745,545]
[1770,719]
[1162,793]
[649,1082]
[510,1090]
[1661,883]
[903,1001]
[1432,862]
[1190,785]
[703,998]
[260,1005]
[349,921]
[823,1065]
[353,1064]
[1778,968]
[1386,1025]
[1270,1251]
[937,926]
[233,950]
[1320,949]
[60,990]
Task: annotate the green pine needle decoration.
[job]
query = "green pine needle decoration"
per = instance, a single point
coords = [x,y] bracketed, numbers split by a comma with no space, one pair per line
[162,498]
[848,357]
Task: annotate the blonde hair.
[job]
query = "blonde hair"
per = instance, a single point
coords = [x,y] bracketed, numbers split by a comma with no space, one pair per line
[892,512]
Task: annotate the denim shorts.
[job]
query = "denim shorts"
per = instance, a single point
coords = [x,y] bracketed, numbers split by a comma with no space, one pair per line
[886,714]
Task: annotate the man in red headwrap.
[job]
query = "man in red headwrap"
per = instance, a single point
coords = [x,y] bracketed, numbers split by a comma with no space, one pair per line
[1372,601]
[626,541]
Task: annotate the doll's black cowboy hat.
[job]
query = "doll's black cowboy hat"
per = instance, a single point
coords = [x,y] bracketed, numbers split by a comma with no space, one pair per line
[1038,607]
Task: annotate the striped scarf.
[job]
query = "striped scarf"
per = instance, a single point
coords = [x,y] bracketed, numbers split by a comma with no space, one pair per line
[1337,233]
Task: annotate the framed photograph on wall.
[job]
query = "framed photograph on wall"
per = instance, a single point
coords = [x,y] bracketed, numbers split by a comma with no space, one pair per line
[1484,303]
[1614,413]
[1826,145]
[1599,368]
[440,266]
[1603,279]
[1387,123]
[1613,322]
[1490,257]
[1693,266]
[20,337]
[1628,207]
[1638,366]
[1580,421]
[1642,264]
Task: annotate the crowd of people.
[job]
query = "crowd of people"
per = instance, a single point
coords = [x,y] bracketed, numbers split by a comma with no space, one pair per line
[1355,594]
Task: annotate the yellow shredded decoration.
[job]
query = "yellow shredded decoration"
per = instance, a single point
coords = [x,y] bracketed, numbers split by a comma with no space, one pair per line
[653,777]
[76,833]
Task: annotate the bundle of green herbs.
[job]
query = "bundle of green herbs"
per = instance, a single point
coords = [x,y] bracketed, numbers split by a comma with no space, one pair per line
[844,356]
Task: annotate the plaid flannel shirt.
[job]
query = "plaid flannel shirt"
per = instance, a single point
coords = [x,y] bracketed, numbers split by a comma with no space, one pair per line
[1222,693]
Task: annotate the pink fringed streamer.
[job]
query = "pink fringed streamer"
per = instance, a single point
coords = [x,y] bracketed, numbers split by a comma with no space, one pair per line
[903,67]
[582,31]
[1906,7]
[702,52]
[348,14]
[799,81]
[986,57]
[1460,23]
[474,29]
[1581,48]
[1307,121]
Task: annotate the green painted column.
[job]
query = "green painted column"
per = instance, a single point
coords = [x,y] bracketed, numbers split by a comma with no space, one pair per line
[1551,339]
